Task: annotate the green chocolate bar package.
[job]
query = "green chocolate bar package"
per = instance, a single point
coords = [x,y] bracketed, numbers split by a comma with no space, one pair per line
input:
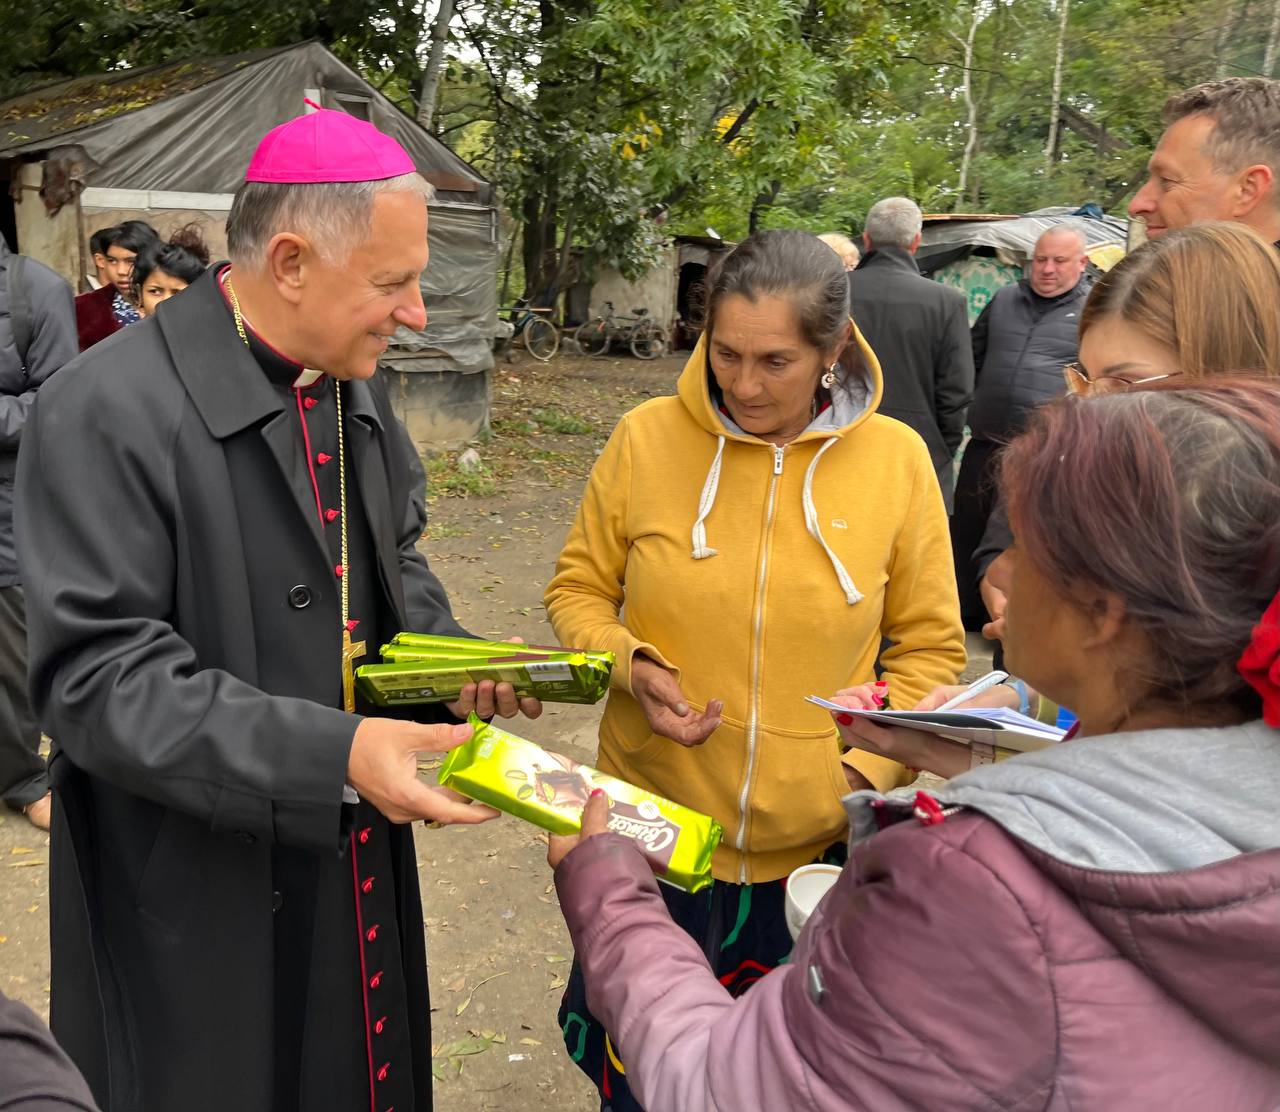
[548,790]
[563,677]
[438,646]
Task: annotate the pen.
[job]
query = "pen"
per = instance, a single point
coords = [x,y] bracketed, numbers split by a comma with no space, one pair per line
[976,688]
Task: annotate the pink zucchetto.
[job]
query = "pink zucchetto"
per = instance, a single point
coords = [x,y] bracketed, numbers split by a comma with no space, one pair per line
[327,146]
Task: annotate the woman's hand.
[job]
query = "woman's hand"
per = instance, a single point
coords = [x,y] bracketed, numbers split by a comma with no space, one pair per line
[866,696]
[595,820]
[994,588]
[913,748]
[663,703]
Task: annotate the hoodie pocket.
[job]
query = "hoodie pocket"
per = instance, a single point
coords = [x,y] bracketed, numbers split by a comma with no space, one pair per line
[797,790]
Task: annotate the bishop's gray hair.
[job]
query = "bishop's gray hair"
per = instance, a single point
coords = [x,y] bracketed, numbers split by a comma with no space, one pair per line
[894,222]
[333,216]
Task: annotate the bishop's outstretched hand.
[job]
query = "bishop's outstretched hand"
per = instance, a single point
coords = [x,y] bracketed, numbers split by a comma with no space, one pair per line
[383,768]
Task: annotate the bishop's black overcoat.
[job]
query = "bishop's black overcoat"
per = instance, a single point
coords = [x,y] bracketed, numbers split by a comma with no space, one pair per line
[173,559]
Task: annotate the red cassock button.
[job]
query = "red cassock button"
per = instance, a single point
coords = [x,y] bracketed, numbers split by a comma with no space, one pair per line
[331,515]
[323,458]
[364,834]
[310,403]
[376,979]
[371,934]
[366,886]
[377,1027]
[383,1070]
[337,570]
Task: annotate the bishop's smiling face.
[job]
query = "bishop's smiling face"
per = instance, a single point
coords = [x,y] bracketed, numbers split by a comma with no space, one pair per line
[353,308]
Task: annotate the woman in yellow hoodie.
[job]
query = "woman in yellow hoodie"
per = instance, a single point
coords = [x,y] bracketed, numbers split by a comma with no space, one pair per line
[748,542]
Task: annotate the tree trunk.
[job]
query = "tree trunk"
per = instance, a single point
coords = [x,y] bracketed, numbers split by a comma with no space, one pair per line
[1273,41]
[1055,108]
[763,201]
[971,103]
[435,60]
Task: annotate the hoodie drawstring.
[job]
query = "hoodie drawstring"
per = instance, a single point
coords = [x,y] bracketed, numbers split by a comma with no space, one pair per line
[708,500]
[705,504]
[851,593]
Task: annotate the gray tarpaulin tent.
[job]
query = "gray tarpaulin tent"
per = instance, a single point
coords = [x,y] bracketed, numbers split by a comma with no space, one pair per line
[170,143]
[979,254]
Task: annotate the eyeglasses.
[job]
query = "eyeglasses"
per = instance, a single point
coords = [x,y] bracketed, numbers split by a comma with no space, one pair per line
[1080,384]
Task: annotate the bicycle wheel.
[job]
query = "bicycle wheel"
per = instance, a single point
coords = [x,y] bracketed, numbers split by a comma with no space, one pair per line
[593,337]
[647,341]
[541,338]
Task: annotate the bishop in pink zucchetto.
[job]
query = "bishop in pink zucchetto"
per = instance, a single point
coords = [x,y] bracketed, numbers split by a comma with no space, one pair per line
[327,146]
[261,803]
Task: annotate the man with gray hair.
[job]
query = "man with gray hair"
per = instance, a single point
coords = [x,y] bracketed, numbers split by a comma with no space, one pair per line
[1218,159]
[221,513]
[1022,341]
[919,330]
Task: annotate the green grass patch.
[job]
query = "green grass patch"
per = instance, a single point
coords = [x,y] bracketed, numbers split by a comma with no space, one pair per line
[444,478]
[557,420]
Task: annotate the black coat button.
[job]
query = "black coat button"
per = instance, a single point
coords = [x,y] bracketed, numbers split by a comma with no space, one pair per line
[247,838]
[300,596]
[277,901]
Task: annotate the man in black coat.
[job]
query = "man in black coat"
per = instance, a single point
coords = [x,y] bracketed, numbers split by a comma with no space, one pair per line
[220,518]
[1022,341]
[919,330]
[37,336]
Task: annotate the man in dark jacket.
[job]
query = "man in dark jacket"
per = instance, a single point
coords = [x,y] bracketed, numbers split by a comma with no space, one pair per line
[37,336]
[919,331]
[1021,342]
[221,514]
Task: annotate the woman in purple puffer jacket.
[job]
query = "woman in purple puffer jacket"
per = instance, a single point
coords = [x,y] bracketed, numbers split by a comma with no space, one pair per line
[1091,926]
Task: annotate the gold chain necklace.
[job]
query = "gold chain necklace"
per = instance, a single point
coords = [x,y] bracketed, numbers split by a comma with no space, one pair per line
[351,650]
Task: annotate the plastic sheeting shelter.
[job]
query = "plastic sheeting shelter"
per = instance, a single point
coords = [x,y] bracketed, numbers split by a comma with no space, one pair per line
[170,144]
[979,254]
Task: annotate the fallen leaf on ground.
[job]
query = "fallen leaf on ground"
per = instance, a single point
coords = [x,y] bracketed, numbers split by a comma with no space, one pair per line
[467,1002]
[530,1042]
[553,959]
[20,849]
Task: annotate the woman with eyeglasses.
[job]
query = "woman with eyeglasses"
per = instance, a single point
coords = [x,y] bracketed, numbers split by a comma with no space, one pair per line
[1196,303]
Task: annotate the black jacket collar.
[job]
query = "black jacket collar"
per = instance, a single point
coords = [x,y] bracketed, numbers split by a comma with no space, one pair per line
[885,257]
[225,382]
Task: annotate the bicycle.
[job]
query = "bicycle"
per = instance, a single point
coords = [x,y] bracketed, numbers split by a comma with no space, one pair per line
[641,333]
[539,336]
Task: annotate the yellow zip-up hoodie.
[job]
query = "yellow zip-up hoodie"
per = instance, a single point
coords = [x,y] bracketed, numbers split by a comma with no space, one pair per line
[760,575]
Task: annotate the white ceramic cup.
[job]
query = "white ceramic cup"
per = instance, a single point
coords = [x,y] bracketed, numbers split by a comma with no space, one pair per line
[805,889]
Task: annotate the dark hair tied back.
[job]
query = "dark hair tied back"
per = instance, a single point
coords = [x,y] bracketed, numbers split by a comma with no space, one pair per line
[795,266]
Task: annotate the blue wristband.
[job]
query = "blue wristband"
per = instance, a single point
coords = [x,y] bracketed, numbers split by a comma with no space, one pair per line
[1024,699]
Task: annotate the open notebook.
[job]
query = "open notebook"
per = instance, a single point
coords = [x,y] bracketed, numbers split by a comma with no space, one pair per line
[993,725]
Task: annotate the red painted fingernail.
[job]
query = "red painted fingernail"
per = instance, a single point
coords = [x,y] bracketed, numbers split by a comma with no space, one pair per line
[845,719]
[878,700]
[881,683]
[596,791]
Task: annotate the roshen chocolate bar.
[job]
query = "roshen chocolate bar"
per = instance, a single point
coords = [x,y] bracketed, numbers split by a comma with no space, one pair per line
[548,790]
[564,677]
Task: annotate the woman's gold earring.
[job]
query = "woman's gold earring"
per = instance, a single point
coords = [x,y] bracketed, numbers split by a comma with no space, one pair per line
[829,379]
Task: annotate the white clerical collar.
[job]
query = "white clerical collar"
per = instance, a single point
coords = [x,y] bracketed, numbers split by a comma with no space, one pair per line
[306,378]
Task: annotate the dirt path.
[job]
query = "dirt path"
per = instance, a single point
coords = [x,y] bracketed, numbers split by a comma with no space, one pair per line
[498,948]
